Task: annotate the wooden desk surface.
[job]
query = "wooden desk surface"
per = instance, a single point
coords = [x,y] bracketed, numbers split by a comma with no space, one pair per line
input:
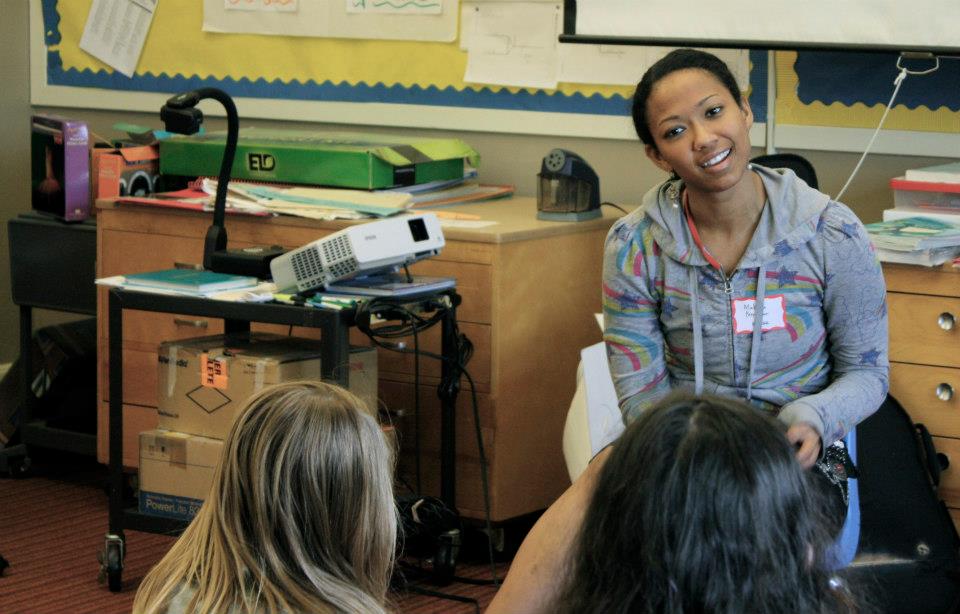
[516,220]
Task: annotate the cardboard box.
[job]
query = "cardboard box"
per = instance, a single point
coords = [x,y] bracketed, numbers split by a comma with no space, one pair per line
[176,471]
[125,171]
[204,381]
[367,161]
[60,167]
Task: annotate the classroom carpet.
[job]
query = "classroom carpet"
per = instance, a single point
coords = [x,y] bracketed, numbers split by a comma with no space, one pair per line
[52,526]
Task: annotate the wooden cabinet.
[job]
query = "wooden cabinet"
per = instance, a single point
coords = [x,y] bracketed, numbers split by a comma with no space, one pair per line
[924,308]
[529,290]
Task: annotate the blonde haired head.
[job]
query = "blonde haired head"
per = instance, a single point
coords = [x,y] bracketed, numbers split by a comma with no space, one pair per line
[300,516]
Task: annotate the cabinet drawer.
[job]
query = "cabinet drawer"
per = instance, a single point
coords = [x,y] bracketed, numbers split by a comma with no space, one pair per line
[137,252]
[139,377]
[474,285]
[936,281]
[915,333]
[146,330]
[950,478]
[401,366]
[915,386]
[469,486]
[135,420]
[398,397]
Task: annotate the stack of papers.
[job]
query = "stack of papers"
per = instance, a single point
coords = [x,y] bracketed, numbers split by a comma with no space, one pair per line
[924,257]
[940,173]
[915,240]
[275,199]
[914,233]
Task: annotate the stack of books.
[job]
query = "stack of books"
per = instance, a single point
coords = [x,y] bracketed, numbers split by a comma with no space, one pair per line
[932,191]
[915,240]
[182,282]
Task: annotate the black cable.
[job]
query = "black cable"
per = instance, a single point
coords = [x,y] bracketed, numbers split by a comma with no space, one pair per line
[477,582]
[410,586]
[464,353]
[614,205]
[407,484]
[432,593]
[416,404]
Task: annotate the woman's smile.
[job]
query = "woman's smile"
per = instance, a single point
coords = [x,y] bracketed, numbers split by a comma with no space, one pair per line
[716,159]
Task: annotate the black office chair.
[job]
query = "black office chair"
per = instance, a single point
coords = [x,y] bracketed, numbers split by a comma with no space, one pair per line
[797,163]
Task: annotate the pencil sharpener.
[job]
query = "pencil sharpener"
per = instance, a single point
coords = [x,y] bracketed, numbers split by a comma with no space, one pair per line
[568,189]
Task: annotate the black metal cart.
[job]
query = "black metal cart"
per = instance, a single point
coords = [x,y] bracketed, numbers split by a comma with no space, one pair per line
[334,346]
[52,266]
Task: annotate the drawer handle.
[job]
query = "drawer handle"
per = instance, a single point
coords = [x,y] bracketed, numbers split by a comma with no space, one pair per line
[946,321]
[943,460]
[944,392]
[192,323]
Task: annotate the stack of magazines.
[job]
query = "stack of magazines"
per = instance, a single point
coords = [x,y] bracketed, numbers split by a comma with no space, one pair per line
[915,240]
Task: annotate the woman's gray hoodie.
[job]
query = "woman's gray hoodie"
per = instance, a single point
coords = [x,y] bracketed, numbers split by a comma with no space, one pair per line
[816,353]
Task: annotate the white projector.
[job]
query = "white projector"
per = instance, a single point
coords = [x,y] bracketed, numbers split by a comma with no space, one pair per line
[358,250]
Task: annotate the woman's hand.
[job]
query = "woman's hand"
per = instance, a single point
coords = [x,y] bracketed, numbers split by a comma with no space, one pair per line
[808,443]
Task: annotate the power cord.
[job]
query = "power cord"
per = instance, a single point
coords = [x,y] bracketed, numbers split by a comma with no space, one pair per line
[607,203]
[413,323]
[897,82]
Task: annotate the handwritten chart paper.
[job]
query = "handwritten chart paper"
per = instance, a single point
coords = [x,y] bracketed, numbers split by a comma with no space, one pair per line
[418,20]
[396,7]
[263,6]
[514,43]
[116,31]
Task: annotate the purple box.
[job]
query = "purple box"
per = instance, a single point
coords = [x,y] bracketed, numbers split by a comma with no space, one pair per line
[60,167]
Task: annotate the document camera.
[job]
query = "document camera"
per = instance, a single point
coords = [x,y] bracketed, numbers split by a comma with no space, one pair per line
[363,249]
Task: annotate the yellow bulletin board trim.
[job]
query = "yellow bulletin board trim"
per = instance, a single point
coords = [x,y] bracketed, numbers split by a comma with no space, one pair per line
[842,127]
[399,83]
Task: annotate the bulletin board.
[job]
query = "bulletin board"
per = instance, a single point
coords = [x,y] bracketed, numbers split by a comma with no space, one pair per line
[825,101]
[847,93]
[367,82]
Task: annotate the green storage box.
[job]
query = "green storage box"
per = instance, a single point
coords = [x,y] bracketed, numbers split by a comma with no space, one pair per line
[348,160]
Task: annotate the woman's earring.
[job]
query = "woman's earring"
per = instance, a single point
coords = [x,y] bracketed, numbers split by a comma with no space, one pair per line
[673,194]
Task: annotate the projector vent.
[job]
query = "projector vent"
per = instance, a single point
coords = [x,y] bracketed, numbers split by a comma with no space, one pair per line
[338,254]
[308,269]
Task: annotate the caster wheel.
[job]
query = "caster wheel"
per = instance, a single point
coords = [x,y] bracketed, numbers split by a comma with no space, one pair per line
[19,467]
[114,581]
[111,563]
[114,565]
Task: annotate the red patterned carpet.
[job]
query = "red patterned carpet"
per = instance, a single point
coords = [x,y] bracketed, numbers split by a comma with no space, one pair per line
[52,526]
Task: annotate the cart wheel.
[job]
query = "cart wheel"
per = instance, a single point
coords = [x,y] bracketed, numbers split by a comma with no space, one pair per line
[19,466]
[114,566]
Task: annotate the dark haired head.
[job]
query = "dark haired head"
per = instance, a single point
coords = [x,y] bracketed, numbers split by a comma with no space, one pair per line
[680,59]
[701,507]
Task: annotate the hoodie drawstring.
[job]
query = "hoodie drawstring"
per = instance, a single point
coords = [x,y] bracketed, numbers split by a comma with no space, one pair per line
[697,333]
[757,325]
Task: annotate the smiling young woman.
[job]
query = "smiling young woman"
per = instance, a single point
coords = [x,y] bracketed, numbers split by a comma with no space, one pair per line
[731,279]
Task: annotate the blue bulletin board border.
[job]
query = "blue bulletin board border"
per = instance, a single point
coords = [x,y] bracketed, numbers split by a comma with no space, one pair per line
[849,78]
[484,98]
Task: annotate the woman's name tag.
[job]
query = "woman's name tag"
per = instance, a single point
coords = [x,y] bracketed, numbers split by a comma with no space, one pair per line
[774,314]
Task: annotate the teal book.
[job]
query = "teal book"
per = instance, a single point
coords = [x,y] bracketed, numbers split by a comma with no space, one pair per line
[913,233]
[189,280]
